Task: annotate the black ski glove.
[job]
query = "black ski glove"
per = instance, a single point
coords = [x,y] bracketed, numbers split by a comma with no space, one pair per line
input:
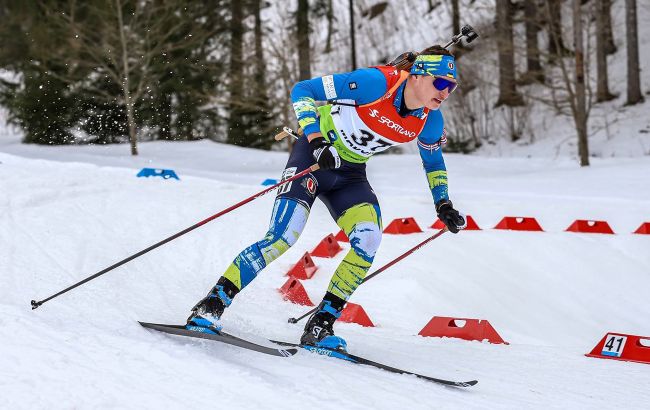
[453,220]
[324,153]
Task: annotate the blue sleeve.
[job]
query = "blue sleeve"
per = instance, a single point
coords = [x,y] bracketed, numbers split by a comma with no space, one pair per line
[430,143]
[360,87]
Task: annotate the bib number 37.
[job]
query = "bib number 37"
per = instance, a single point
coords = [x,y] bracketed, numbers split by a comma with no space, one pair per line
[614,345]
[366,143]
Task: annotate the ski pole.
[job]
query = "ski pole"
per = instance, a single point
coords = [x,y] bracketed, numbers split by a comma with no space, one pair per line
[36,304]
[383,268]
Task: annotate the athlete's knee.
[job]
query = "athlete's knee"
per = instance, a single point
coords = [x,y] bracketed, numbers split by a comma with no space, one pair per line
[365,239]
[362,225]
[287,223]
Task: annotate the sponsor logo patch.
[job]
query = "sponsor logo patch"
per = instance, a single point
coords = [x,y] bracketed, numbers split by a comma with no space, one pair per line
[328,86]
[310,185]
[288,173]
[352,85]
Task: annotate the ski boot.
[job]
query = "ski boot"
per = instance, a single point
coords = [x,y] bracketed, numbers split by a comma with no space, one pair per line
[206,314]
[319,331]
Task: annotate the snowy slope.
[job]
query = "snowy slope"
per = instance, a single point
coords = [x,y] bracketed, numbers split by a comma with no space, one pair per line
[67,212]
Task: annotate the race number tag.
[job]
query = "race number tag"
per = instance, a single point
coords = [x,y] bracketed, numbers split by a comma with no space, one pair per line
[614,345]
[365,143]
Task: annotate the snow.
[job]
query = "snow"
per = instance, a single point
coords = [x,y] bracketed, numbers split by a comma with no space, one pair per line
[68,212]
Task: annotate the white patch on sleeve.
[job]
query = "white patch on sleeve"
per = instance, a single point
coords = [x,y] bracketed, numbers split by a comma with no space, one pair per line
[328,85]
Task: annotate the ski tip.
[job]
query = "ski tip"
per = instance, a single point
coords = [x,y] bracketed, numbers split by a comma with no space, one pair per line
[470,383]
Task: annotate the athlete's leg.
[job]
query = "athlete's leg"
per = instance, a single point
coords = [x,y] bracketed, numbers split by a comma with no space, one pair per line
[356,210]
[362,224]
[287,222]
[290,213]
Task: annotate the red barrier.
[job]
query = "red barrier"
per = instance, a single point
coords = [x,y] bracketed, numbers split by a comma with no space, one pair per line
[471,329]
[620,346]
[644,229]
[471,224]
[327,248]
[518,223]
[341,236]
[586,226]
[304,269]
[294,292]
[353,313]
[403,226]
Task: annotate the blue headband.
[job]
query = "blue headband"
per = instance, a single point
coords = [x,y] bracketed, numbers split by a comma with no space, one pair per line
[436,65]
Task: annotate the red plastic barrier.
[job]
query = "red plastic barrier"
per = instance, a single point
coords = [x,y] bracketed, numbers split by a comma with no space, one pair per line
[586,226]
[341,236]
[472,329]
[644,229]
[304,269]
[294,292]
[620,346]
[353,313]
[471,224]
[403,226]
[518,223]
[327,248]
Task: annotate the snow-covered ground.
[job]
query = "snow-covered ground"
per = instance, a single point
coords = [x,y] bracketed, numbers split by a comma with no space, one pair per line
[67,212]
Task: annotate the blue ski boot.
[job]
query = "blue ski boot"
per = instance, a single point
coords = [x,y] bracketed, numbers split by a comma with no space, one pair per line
[319,330]
[206,314]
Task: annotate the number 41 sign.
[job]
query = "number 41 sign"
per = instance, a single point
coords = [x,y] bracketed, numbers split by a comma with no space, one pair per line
[614,345]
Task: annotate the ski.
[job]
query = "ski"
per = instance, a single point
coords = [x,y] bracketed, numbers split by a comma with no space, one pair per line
[219,337]
[360,360]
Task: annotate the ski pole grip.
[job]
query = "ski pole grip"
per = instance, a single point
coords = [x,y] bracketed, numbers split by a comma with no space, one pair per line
[288,132]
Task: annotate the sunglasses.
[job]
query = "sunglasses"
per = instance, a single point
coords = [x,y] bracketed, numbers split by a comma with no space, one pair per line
[440,83]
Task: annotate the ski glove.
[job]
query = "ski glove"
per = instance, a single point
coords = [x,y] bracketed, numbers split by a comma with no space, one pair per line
[453,220]
[324,153]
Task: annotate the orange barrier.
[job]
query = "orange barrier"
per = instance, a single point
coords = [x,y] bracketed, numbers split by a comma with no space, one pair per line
[403,226]
[327,248]
[621,346]
[294,292]
[518,223]
[304,269]
[353,313]
[467,329]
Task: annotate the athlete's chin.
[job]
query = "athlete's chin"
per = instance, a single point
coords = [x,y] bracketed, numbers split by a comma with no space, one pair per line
[434,104]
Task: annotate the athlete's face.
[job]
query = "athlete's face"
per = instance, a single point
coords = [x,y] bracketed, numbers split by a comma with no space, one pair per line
[428,94]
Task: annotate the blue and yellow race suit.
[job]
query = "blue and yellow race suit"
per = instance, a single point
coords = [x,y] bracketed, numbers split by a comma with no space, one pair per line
[365,115]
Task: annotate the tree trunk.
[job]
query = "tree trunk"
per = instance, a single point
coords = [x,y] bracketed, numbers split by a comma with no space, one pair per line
[580,114]
[610,47]
[507,86]
[352,37]
[131,120]
[236,72]
[455,17]
[533,65]
[602,87]
[330,27]
[556,46]
[634,95]
[165,116]
[302,26]
[260,65]
[126,83]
